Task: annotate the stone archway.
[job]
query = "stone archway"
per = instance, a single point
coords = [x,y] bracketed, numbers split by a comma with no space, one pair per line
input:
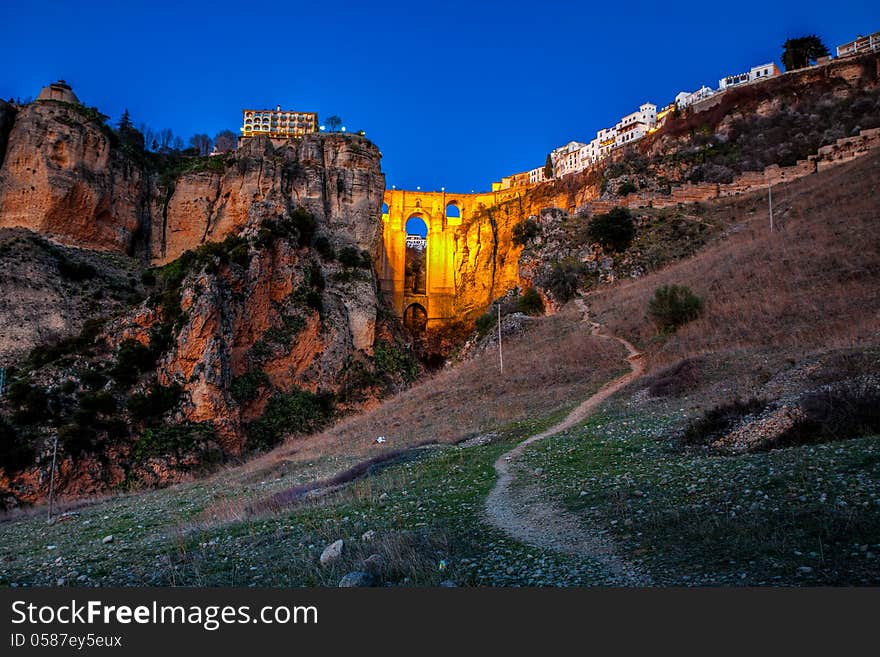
[415,318]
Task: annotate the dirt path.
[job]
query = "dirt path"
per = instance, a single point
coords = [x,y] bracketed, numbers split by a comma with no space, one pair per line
[524,513]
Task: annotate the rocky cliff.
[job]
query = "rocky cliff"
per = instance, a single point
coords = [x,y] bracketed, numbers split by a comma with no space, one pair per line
[244,304]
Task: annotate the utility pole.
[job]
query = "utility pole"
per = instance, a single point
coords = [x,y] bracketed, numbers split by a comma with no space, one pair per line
[770,203]
[500,354]
[52,480]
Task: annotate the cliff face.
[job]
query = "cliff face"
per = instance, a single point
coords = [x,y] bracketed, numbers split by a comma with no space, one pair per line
[258,319]
[336,178]
[61,177]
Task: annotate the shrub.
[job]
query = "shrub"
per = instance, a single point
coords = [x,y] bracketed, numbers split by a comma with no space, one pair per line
[718,421]
[148,278]
[132,358]
[175,440]
[486,321]
[16,451]
[350,257]
[525,232]
[77,440]
[75,271]
[33,406]
[154,403]
[290,413]
[388,359]
[673,306]
[247,386]
[97,402]
[325,248]
[614,230]
[836,413]
[676,379]
[530,302]
[563,279]
[626,188]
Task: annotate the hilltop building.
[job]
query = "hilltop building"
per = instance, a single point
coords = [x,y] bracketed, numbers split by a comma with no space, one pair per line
[686,99]
[860,45]
[756,73]
[278,124]
[633,127]
[58,91]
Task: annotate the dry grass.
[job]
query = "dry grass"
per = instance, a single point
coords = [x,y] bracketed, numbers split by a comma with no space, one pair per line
[810,284]
[555,364]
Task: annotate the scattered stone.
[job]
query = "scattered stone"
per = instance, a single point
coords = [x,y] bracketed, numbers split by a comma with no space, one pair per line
[357,578]
[448,584]
[368,535]
[374,562]
[107,539]
[539,472]
[332,552]
[51,547]
[60,581]
[805,569]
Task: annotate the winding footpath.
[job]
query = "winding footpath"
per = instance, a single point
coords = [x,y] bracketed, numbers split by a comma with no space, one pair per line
[524,513]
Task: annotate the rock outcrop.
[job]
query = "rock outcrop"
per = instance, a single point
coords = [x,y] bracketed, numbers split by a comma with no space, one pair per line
[62,177]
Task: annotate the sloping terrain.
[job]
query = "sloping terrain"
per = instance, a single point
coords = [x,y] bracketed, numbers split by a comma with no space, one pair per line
[808,513]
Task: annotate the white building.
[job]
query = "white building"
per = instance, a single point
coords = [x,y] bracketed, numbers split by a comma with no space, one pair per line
[686,99]
[760,72]
[633,127]
[566,159]
[536,175]
[862,44]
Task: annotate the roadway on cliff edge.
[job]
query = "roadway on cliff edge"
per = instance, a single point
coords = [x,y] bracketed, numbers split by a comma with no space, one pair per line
[525,515]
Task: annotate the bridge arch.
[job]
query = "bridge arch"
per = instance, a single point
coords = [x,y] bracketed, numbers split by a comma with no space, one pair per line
[442,214]
[415,318]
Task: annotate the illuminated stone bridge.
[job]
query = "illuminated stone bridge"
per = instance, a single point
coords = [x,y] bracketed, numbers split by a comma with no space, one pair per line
[422,290]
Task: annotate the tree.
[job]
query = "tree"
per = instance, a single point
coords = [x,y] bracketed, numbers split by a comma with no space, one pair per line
[334,123]
[128,134]
[802,51]
[125,121]
[177,144]
[165,138]
[548,167]
[673,306]
[225,141]
[201,142]
[613,230]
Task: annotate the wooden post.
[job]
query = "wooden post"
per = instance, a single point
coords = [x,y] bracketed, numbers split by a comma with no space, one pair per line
[500,354]
[52,480]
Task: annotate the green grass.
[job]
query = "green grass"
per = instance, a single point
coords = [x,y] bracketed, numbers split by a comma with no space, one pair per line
[425,512]
[802,515]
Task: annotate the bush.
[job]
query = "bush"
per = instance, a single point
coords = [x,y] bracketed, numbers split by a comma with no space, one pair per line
[350,257]
[33,406]
[77,440]
[75,271]
[175,440]
[388,359]
[614,230]
[714,423]
[530,302]
[324,248]
[16,451]
[486,321]
[626,188]
[836,413]
[673,306]
[563,279]
[247,386]
[150,406]
[525,232]
[290,413]
[132,358]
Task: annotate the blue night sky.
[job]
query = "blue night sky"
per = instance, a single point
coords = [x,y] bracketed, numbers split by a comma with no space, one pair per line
[455,94]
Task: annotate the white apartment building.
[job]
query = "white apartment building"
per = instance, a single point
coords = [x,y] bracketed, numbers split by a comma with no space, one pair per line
[862,44]
[633,127]
[566,158]
[760,72]
[537,175]
[686,99]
